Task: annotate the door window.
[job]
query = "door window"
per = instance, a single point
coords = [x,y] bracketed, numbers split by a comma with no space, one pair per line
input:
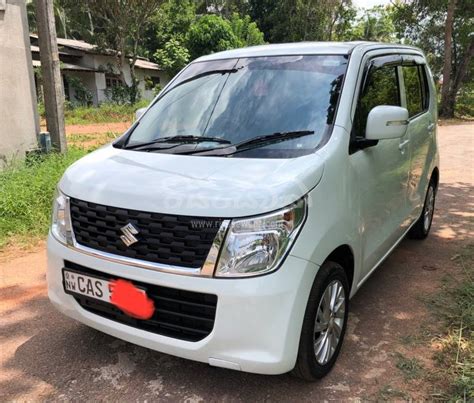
[381,88]
[415,89]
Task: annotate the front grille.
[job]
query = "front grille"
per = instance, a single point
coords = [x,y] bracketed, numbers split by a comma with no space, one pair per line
[169,239]
[184,315]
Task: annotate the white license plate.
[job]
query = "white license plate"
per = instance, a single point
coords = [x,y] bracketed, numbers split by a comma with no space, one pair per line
[92,287]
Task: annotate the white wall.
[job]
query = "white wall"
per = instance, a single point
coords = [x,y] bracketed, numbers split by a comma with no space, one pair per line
[142,73]
[95,82]
[89,80]
[19,122]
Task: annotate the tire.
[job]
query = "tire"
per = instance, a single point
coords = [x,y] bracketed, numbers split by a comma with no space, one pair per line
[422,227]
[312,362]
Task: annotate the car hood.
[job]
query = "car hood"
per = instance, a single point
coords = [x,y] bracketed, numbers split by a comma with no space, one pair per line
[190,185]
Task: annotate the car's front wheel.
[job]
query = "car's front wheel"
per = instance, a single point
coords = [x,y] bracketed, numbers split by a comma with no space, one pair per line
[324,323]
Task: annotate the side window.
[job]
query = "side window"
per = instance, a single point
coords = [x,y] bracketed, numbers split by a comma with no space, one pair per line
[381,88]
[425,88]
[415,89]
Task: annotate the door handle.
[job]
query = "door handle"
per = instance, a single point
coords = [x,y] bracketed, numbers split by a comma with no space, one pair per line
[431,127]
[401,146]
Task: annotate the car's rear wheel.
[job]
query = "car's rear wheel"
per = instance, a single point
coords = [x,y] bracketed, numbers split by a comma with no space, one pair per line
[422,227]
[324,323]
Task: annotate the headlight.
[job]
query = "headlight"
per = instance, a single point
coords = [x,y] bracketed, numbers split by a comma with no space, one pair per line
[60,227]
[257,245]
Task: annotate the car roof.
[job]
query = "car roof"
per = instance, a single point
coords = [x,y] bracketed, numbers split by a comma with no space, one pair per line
[300,48]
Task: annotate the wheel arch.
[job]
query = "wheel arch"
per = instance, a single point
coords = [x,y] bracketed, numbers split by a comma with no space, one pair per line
[344,256]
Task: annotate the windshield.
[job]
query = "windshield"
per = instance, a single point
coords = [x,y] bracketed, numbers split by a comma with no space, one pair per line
[240,99]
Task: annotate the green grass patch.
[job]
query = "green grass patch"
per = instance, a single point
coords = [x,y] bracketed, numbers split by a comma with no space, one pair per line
[105,113]
[454,307]
[92,140]
[26,193]
[450,333]
[411,367]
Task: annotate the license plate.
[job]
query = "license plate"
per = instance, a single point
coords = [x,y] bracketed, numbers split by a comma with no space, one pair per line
[89,286]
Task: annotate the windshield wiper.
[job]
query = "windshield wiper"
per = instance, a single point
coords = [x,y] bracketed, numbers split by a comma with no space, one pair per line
[254,142]
[176,139]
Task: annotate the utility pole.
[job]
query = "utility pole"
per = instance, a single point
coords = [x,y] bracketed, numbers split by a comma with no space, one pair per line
[50,69]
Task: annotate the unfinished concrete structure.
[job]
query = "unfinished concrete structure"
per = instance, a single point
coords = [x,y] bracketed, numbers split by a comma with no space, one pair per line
[19,123]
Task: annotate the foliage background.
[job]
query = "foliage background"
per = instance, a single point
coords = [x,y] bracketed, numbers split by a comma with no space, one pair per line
[174,32]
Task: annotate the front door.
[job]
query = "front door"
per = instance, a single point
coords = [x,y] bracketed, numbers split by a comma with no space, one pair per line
[382,170]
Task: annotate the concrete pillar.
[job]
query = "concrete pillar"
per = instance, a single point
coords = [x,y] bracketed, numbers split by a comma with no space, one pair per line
[19,123]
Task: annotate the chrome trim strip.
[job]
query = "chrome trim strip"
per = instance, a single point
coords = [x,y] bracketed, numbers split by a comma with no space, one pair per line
[211,261]
[397,123]
[143,264]
[207,270]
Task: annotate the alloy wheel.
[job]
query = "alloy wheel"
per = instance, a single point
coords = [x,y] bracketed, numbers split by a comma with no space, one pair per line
[329,322]
[429,209]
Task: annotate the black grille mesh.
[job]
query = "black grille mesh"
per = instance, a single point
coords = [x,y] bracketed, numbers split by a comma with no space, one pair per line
[181,314]
[169,239]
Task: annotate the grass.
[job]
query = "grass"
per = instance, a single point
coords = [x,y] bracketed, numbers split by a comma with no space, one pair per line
[26,193]
[97,138]
[105,113]
[410,367]
[390,393]
[455,307]
[453,340]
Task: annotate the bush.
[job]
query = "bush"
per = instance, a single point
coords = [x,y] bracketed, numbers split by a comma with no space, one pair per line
[26,194]
[122,94]
[465,101]
[210,34]
[82,95]
[105,113]
[172,57]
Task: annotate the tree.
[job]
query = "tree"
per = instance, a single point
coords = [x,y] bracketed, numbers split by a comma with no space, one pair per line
[261,11]
[176,28]
[171,21]
[223,8]
[300,20]
[342,19]
[246,31]
[375,24]
[210,34]
[443,29]
[172,57]
[119,28]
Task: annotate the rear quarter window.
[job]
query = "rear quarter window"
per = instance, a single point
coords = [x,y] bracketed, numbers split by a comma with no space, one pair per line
[416,89]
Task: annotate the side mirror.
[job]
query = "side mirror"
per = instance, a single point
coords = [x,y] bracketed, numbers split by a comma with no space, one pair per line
[139,113]
[386,122]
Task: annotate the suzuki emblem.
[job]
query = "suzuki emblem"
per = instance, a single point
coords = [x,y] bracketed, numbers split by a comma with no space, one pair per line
[129,232]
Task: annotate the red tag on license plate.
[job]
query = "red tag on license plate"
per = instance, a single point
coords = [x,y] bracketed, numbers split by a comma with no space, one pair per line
[131,300]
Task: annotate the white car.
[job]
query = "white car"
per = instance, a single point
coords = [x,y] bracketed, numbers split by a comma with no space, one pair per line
[234,220]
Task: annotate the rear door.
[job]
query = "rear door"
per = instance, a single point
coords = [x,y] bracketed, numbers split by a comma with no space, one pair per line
[382,170]
[421,128]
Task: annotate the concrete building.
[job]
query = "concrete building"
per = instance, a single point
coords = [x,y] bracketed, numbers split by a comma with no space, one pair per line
[97,70]
[19,123]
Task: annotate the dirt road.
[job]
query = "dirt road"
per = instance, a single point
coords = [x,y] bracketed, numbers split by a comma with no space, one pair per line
[45,355]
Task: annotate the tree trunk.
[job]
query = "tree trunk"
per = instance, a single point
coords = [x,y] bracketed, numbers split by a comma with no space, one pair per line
[446,111]
[460,75]
[51,73]
[91,22]
[122,60]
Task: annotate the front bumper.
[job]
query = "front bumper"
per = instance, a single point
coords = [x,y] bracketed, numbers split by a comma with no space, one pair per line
[258,320]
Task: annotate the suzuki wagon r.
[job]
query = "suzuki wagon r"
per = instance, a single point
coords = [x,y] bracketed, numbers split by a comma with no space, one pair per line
[234,220]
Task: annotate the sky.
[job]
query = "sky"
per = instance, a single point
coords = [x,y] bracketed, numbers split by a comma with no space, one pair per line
[369,3]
